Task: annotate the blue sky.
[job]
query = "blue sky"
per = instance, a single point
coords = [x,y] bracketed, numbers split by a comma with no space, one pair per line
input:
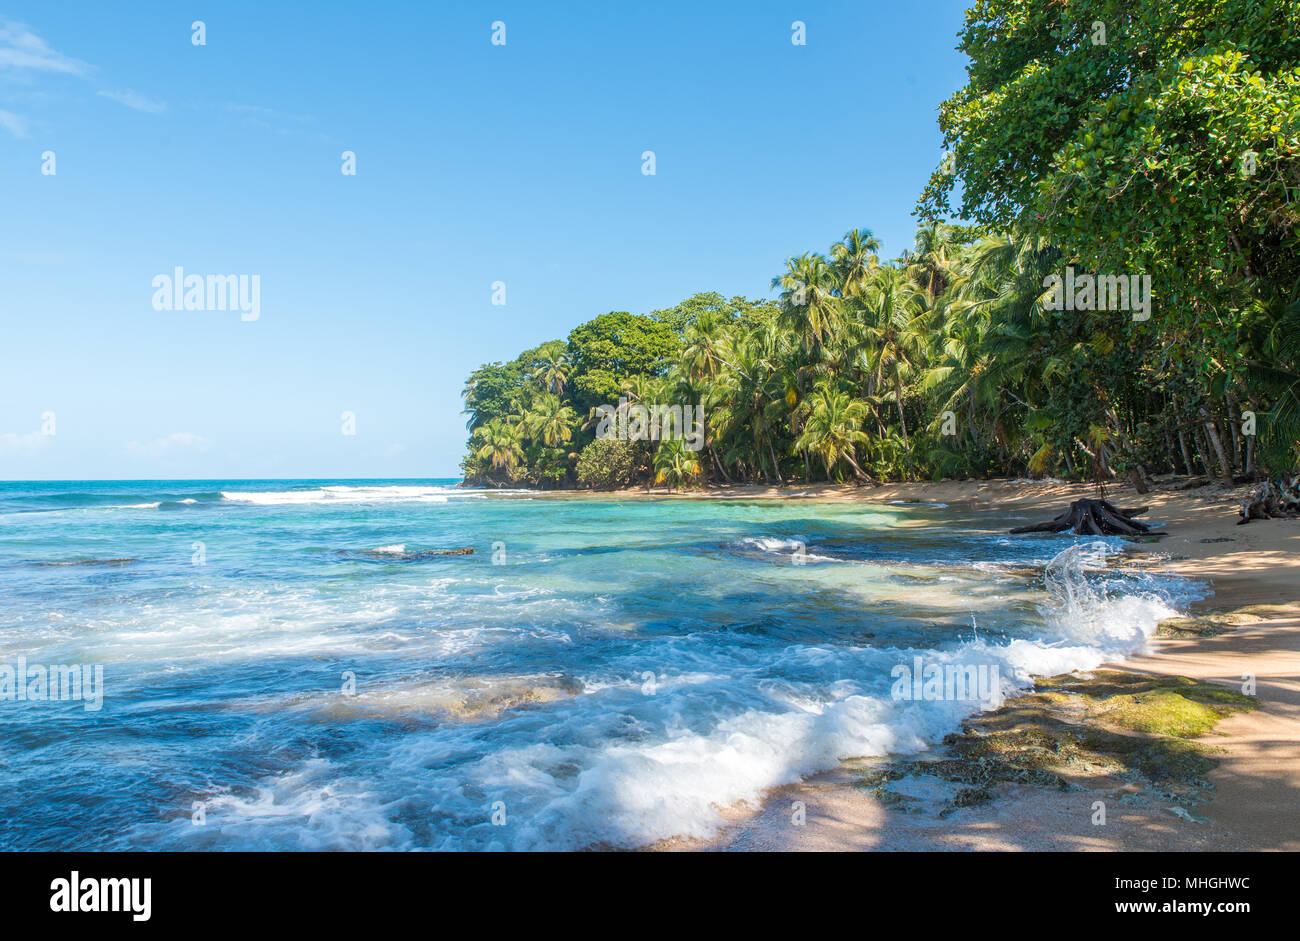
[475,163]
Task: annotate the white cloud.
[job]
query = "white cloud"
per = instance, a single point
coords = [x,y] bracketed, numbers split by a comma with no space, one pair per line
[28,444]
[20,48]
[15,124]
[132,100]
[169,444]
[23,53]
[281,122]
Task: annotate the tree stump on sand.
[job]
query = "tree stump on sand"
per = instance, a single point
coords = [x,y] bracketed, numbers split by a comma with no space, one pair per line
[1274,499]
[1092,518]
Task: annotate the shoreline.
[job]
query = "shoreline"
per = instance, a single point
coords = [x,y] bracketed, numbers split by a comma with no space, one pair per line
[1251,800]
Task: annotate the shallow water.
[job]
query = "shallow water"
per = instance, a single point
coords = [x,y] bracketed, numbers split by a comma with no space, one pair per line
[289,665]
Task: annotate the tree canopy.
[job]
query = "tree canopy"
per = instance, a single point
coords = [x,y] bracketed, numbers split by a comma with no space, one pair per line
[614,347]
[1152,145]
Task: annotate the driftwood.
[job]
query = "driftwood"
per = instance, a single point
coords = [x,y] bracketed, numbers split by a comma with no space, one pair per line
[1273,499]
[1092,517]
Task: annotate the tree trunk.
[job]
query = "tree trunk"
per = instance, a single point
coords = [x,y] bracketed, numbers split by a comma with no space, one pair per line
[1097,459]
[898,397]
[1250,441]
[862,475]
[718,464]
[1202,454]
[1187,457]
[1217,445]
[1179,425]
[1234,425]
[1092,517]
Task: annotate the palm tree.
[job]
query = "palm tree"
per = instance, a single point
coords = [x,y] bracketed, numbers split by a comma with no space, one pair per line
[470,393]
[749,402]
[853,259]
[706,346]
[550,420]
[642,389]
[1274,369]
[893,331]
[812,310]
[998,352]
[809,305]
[674,465]
[501,443]
[834,428]
[553,367]
[932,261]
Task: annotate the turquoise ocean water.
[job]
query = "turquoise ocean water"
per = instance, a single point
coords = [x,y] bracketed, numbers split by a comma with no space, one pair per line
[289,665]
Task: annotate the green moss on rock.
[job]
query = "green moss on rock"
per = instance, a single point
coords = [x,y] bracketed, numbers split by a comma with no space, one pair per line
[1135,727]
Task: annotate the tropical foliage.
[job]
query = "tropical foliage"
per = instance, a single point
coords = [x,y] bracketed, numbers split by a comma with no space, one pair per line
[1154,138]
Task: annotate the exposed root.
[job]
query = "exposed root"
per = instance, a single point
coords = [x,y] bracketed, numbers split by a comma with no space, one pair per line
[1092,517]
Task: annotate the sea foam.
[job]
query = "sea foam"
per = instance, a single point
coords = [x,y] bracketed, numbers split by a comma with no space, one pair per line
[580,775]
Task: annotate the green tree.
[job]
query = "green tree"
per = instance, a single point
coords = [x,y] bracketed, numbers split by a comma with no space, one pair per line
[810,304]
[489,391]
[834,428]
[853,259]
[501,445]
[674,465]
[550,421]
[606,464]
[1171,149]
[614,347]
[551,367]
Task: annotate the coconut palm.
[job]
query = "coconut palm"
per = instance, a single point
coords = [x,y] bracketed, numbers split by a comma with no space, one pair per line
[674,465]
[893,332]
[706,346]
[501,444]
[853,260]
[833,429]
[749,403]
[550,421]
[809,304]
[931,262]
[1274,367]
[553,367]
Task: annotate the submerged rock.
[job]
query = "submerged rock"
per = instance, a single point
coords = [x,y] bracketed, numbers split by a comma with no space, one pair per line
[1072,730]
[399,554]
[461,700]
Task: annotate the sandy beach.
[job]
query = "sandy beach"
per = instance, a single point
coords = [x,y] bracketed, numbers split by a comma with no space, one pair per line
[1251,800]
